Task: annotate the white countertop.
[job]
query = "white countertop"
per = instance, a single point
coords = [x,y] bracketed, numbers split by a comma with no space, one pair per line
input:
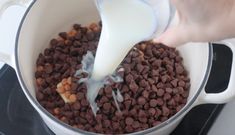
[224,124]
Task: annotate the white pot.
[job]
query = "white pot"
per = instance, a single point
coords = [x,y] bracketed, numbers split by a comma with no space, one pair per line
[45,18]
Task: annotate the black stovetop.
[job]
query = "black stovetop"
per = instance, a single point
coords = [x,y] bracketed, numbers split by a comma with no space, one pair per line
[17,116]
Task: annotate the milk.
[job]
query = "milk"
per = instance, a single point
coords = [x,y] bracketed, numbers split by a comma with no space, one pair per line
[124,24]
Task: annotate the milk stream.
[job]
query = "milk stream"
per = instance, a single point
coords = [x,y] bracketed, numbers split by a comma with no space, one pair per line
[93,86]
[124,24]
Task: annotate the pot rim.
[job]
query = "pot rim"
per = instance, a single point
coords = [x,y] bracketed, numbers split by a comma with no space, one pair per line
[51,117]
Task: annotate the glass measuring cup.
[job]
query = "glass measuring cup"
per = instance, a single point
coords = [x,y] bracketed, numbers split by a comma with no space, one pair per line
[164,12]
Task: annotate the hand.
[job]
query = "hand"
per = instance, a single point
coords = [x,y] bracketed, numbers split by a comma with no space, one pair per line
[201,21]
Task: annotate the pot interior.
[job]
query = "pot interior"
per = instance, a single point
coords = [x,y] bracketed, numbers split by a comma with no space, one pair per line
[49,17]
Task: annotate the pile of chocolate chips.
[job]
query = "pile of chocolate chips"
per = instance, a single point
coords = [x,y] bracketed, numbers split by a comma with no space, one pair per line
[155,86]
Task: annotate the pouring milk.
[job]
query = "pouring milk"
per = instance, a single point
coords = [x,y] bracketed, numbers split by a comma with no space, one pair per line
[124,24]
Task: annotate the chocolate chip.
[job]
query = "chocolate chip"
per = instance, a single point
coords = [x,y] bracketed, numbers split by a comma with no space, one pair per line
[133,102]
[143,83]
[68,114]
[76,106]
[127,104]
[145,94]
[41,82]
[187,85]
[157,63]
[166,96]
[154,88]
[84,102]
[174,82]
[108,90]
[153,95]
[127,96]
[180,90]
[145,70]
[53,42]
[170,69]
[179,69]
[98,128]
[155,72]
[178,59]
[64,119]
[78,36]
[104,99]
[129,78]
[160,101]
[129,129]
[84,30]
[152,111]
[143,119]
[133,86]
[141,100]
[151,81]
[181,83]
[150,120]
[160,92]
[39,95]
[142,113]
[129,121]
[184,101]
[48,91]
[169,90]
[165,111]
[134,54]
[125,88]
[133,112]
[171,102]
[185,94]
[74,86]
[107,106]
[90,35]
[48,68]
[139,68]
[63,35]
[148,51]
[164,78]
[50,105]
[136,124]
[127,68]
[80,95]
[160,85]
[153,103]
[76,26]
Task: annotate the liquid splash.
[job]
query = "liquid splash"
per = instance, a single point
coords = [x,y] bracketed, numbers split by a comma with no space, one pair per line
[93,86]
[117,98]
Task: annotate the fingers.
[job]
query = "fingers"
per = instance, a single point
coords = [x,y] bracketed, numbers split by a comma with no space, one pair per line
[173,37]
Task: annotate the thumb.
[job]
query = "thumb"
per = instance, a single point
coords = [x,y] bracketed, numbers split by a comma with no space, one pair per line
[173,37]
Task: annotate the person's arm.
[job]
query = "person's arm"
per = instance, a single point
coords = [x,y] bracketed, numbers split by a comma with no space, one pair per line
[201,21]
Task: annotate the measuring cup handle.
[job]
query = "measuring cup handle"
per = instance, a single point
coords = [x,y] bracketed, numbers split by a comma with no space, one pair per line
[228,94]
[4,4]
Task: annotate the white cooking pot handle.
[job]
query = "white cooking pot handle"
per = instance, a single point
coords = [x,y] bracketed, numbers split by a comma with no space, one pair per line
[229,93]
[4,4]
